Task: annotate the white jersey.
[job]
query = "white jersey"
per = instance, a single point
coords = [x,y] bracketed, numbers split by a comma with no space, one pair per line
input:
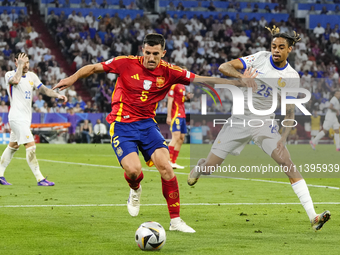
[331,115]
[21,95]
[269,76]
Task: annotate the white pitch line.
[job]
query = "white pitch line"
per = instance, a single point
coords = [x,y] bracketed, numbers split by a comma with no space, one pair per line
[209,176]
[185,204]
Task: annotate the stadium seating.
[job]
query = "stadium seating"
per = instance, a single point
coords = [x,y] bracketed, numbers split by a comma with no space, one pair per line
[302,9]
[232,15]
[313,20]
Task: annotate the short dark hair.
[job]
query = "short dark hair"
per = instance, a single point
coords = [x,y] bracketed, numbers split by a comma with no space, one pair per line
[17,55]
[291,40]
[154,39]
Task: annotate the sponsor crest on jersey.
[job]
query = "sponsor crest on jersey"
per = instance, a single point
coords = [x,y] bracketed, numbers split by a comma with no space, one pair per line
[109,61]
[119,151]
[160,82]
[281,83]
[147,84]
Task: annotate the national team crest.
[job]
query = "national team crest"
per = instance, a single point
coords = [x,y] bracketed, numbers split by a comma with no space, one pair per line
[160,82]
[31,83]
[281,83]
[119,151]
[147,84]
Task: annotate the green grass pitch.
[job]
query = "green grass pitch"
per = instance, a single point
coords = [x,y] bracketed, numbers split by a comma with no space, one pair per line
[85,212]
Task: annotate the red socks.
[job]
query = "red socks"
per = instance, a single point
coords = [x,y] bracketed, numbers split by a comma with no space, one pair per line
[174,157]
[171,194]
[171,151]
[134,184]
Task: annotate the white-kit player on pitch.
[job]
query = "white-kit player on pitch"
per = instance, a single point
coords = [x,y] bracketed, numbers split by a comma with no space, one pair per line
[331,121]
[273,71]
[20,84]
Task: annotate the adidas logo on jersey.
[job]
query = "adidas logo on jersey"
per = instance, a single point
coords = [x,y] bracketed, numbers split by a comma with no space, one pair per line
[136,77]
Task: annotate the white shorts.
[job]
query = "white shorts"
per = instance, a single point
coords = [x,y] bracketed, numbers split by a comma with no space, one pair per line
[314,132]
[231,140]
[21,132]
[334,123]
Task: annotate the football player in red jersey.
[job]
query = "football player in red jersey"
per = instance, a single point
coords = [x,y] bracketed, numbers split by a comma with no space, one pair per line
[142,83]
[176,118]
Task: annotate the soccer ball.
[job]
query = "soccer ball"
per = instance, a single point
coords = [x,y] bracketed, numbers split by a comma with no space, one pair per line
[150,236]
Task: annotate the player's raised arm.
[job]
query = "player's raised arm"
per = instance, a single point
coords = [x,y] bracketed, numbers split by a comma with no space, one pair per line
[249,75]
[51,93]
[21,63]
[83,72]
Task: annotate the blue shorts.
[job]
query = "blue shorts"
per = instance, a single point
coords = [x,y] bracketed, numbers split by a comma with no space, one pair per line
[129,137]
[178,124]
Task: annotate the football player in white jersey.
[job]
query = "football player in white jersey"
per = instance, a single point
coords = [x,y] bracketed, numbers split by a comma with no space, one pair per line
[331,121]
[20,85]
[273,71]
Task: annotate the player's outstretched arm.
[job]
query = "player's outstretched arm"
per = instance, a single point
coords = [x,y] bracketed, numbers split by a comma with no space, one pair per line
[230,69]
[83,72]
[249,74]
[22,59]
[51,93]
[168,118]
[289,122]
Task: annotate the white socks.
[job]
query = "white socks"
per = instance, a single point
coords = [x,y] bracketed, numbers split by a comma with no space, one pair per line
[301,190]
[6,158]
[318,137]
[33,163]
[337,140]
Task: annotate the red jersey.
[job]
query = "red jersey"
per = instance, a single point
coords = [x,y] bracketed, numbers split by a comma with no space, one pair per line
[177,92]
[138,90]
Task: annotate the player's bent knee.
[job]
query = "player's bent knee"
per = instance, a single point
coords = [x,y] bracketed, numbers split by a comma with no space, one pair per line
[133,170]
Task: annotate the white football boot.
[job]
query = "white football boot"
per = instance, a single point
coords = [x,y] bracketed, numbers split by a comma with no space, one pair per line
[177,224]
[176,166]
[320,219]
[194,175]
[133,203]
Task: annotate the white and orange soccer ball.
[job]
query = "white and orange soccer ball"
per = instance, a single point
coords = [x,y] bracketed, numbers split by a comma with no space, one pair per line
[150,236]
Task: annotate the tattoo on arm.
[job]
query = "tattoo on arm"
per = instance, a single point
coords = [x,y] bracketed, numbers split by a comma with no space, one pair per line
[290,115]
[47,91]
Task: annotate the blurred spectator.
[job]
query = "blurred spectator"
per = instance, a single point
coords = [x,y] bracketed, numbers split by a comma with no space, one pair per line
[211,7]
[13,15]
[43,109]
[77,108]
[88,107]
[121,5]
[206,132]
[100,132]
[40,102]
[93,4]
[86,131]
[324,10]
[72,118]
[4,96]
[104,4]
[3,107]
[2,126]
